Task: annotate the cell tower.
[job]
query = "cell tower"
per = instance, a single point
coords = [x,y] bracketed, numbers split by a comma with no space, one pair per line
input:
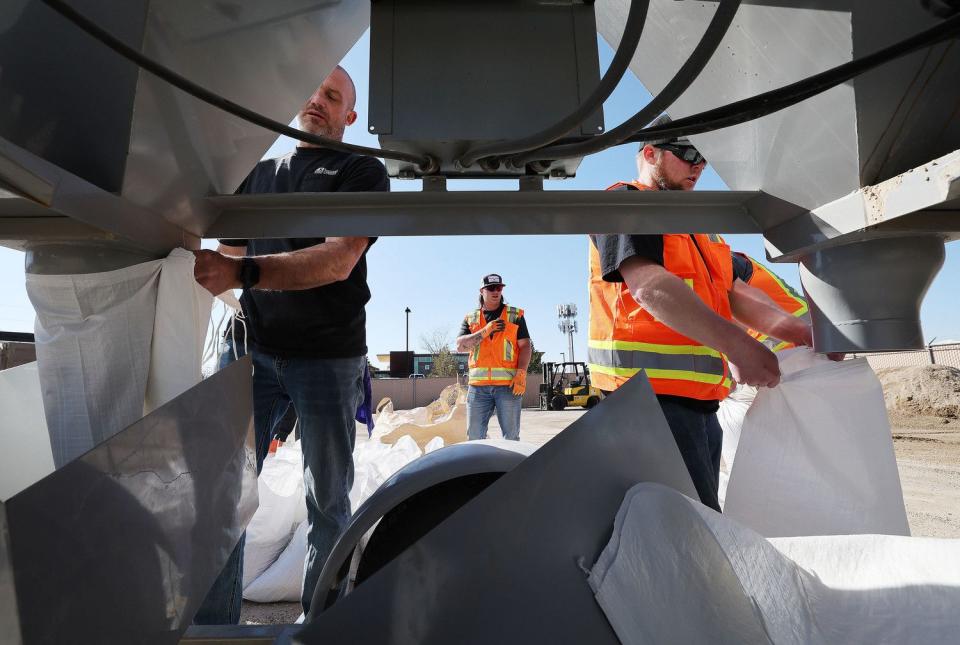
[568,324]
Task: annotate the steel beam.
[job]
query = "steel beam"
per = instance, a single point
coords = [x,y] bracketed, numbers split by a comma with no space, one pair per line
[495,213]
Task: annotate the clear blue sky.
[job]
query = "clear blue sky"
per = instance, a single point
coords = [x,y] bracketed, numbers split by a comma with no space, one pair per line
[438,277]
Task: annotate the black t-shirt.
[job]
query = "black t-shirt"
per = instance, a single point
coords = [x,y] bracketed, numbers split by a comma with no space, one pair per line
[493,315]
[323,322]
[614,249]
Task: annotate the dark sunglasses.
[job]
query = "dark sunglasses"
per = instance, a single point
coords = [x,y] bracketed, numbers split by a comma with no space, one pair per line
[688,153]
[498,287]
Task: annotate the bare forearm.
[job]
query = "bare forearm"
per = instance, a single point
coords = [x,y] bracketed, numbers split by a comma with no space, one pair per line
[677,306]
[468,341]
[669,300]
[311,267]
[523,358]
[757,310]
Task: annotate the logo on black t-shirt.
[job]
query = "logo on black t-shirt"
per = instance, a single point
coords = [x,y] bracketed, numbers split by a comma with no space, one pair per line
[323,171]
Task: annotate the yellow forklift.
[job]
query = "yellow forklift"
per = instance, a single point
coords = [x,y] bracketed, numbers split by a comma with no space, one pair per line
[567,384]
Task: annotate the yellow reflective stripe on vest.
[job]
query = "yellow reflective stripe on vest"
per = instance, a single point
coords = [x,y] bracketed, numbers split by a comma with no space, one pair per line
[781,346]
[787,289]
[676,375]
[507,351]
[695,363]
[702,369]
[491,374]
[656,348]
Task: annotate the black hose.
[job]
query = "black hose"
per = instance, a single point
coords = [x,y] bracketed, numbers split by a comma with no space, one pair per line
[688,72]
[426,163]
[636,18]
[772,101]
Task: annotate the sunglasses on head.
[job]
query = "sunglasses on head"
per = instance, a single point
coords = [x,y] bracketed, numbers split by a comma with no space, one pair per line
[496,287]
[687,153]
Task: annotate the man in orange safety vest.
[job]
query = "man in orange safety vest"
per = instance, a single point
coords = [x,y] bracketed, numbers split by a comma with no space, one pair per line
[496,336]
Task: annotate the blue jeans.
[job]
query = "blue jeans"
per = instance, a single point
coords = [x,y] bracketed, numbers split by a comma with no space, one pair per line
[482,400]
[699,438]
[325,394]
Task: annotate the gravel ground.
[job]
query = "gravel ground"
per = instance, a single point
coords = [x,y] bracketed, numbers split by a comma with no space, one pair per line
[928,457]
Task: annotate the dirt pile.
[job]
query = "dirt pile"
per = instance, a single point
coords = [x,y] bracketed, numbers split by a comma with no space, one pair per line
[927,391]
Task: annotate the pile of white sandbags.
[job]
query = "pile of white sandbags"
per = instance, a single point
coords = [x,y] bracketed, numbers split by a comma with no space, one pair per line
[276,545]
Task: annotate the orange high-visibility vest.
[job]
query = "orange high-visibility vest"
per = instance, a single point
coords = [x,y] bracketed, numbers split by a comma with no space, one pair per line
[782,294]
[625,339]
[494,361]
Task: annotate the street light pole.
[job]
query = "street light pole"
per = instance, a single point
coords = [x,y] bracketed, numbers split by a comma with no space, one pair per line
[407,311]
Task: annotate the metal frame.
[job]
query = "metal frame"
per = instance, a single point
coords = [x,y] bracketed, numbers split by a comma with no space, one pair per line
[495,213]
[503,544]
[122,544]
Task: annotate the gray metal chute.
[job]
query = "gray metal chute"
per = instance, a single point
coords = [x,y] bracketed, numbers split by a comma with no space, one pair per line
[866,296]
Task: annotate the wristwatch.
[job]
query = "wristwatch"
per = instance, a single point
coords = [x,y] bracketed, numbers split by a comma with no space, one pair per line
[249,273]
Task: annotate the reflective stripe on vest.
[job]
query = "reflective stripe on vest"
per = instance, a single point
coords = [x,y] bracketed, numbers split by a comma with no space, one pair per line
[783,295]
[496,376]
[630,355]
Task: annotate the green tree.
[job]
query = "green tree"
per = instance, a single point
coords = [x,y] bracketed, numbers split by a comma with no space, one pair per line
[536,360]
[437,344]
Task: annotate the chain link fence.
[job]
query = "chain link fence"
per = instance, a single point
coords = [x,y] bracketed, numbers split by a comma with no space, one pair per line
[932,355]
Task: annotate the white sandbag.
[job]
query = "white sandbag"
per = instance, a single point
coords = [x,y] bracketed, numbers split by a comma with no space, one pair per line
[179,331]
[26,457]
[95,346]
[732,412]
[282,508]
[375,462]
[668,576]
[434,444]
[389,419]
[733,409]
[816,455]
[283,581]
[677,571]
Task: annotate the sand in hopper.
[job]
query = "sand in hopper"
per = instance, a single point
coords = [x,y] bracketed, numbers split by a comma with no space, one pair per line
[925,391]
[447,420]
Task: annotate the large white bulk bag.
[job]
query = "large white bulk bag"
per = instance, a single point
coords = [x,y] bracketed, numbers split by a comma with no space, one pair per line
[114,345]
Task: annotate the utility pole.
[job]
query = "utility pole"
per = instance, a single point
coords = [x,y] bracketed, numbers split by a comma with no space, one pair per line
[568,325]
[407,311]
